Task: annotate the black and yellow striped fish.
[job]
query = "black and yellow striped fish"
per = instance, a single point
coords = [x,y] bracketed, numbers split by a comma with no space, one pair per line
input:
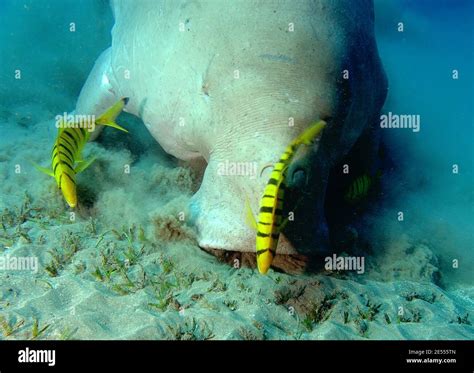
[67,151]
[359,189]
[270,221]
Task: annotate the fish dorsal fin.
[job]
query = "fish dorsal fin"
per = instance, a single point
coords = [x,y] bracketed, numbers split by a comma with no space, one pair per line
[109,116]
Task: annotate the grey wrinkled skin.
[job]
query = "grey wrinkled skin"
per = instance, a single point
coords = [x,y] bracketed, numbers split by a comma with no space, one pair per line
[189,78]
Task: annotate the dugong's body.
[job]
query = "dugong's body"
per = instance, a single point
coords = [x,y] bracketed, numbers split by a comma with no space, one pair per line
[234,82]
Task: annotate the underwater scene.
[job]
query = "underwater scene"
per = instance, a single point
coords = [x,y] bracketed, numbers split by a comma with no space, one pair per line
[236,170]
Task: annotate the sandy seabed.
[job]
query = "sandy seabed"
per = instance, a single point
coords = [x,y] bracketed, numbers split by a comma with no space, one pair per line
[126,267]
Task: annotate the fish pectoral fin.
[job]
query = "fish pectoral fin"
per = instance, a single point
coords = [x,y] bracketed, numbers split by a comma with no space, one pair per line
[109,116]
[44,170]
[84,164]
[114,125]
[78,158]
[283,172]
[284,223]
[249,218]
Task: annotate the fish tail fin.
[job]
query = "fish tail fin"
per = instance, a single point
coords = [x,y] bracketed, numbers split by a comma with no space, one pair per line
[109,116]
[308,136]
[44,170]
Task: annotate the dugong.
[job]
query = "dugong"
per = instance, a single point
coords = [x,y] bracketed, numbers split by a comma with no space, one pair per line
[232,83]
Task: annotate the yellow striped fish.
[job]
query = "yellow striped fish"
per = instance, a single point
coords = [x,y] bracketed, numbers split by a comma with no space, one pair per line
[359,189]
[67,151]
[270,222]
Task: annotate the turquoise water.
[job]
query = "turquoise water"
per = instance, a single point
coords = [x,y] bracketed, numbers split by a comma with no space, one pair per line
[421,63]
[131,227]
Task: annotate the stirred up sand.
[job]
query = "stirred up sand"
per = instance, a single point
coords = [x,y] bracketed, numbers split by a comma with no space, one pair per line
[126,265]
